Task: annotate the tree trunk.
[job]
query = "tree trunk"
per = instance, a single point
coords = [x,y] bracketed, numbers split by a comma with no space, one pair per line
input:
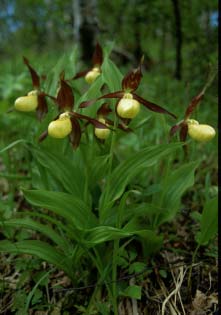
[178,34]
[88,29]
[77,20]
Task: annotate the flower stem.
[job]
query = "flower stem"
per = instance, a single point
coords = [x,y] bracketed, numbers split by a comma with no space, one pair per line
[114,276]
[191,269]
[104,201]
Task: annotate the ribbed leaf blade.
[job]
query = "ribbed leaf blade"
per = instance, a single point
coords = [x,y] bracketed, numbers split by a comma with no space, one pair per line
[28,223]
[74,210]
[172,189]
[111,75]
[129,168]
[40,249]
[64,170]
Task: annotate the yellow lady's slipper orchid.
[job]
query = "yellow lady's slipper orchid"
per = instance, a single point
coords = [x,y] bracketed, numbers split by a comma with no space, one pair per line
[60,127]
[27,103]
[92,75]
[102,133]
[128,107]
[200,132]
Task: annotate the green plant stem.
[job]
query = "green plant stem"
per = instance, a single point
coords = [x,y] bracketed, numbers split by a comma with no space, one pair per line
[110,162]
[114,276]
[103,273]
[116,242]
[191,268]
[111,154]
[165,175]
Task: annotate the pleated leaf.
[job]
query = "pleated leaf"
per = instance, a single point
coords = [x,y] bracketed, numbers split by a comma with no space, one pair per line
[172,189]
[111,75]
[74,210]
[40,249]
[63,169]
[30,224]
[128,169]
[103,234]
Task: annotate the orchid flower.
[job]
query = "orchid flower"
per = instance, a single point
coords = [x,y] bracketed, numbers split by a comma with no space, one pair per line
[191,127]
[92,73]
[67,123]
[128,105]
[35,100]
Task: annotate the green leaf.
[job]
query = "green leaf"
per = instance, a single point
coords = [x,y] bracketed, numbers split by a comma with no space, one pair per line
[74,210]
[33,225]
[97,169]
[41,250]
[209,222]
[133,291]
[93,92]
[103,234]
[137,267]
[128,169]
[173,187]
[111,75]
[64,170]
[12,145]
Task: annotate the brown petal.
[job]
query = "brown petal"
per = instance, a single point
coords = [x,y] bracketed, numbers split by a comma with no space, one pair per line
[92,121]
[34,76]
[65,97]
[43,136]
[132,80]
[152,106]
[193,104]
[87,103]
[42,108]
[183,132]
[120,126]
[118,94]
[75,135]
[80,74]
[174,129]
[104,110]
[97,58]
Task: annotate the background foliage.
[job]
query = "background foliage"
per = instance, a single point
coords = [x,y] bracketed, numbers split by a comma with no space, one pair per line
[179,42]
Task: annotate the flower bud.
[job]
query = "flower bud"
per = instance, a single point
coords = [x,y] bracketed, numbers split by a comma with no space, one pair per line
[128,107]
[202,133]
[102,133]
[26,103]
[92,75]
[61,127]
